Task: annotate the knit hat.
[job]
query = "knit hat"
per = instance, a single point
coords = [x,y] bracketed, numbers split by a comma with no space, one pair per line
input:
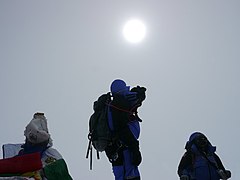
[37,131]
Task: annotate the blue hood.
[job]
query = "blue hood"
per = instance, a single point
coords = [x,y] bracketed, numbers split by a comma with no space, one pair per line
[118,86]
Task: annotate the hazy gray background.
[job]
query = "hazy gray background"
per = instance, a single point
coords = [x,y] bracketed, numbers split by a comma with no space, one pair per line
[58,56]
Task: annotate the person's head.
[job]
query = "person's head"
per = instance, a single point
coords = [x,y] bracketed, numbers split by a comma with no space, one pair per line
[198,140]
[36,132]
[201,141]
[118,86]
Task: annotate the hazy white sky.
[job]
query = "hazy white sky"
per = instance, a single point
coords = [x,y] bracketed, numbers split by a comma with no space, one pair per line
[58,56]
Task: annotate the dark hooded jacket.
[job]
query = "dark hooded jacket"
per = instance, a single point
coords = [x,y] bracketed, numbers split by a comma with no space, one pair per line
[200,164]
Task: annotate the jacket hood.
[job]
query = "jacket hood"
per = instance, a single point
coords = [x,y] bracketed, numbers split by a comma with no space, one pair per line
[190,145]
[118,86]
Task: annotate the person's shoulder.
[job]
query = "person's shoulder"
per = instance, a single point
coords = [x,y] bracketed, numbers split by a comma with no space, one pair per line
[188,154]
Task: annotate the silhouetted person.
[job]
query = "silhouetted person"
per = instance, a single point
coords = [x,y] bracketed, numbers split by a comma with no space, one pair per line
[125,154]
[200,162]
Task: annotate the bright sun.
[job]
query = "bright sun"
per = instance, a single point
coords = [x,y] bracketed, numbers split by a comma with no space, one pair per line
[134,31]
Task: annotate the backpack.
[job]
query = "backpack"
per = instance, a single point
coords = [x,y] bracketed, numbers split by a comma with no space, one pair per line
[100,135]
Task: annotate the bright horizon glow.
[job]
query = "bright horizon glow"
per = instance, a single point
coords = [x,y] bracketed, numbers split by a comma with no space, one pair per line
[134,31]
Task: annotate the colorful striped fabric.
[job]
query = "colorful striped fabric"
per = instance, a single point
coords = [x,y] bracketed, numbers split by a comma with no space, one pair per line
[21,164]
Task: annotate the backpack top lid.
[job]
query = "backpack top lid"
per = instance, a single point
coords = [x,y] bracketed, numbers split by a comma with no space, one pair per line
[101,102]
[119,86]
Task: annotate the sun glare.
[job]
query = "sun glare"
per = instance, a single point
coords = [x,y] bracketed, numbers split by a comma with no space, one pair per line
[134,31]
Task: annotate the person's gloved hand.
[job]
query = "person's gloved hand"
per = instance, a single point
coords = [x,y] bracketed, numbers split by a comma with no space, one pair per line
[136,158]
[184,177]
[224,174]
[228,173]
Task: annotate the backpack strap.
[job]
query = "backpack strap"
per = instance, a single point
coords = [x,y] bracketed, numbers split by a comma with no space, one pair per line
[210,162]
[118,108]
[131,112]
[89,151]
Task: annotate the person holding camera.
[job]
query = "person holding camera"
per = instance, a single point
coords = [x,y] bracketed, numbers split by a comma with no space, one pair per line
[124,122]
